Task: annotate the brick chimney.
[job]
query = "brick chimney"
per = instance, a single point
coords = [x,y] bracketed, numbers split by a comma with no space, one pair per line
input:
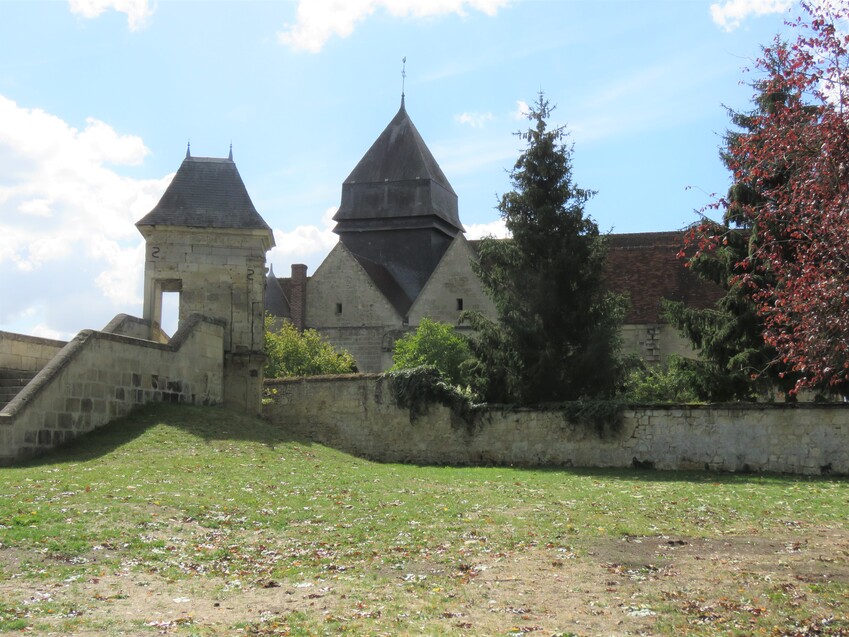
[298,295]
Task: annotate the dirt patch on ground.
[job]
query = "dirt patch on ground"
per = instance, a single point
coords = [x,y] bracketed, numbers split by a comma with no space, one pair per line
[594,586]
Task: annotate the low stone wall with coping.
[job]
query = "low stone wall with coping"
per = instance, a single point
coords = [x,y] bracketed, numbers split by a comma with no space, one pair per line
[27,353]
[100,376]
[358,414]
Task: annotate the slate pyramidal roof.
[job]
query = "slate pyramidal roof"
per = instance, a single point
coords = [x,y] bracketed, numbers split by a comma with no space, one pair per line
[400,159]
[206,192]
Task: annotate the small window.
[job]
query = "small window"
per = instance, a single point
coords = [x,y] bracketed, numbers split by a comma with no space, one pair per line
[459,305]
[406,321]
[338,308]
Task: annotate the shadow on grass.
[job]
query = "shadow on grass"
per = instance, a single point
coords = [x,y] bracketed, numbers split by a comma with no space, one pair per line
[718,478]
[637,475]
[206,423]
[220,424]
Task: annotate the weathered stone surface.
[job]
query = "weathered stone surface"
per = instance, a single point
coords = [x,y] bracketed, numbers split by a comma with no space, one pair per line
[99,376]
[358,414]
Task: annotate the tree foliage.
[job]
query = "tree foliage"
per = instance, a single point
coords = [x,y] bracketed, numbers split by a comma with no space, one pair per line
[557,332]
[792,165]
[294,353]
[437,345]
[672,382]
[735,363]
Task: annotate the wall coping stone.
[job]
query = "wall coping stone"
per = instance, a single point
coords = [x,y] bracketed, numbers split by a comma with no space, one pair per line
[324,378]
[76,345]
[120,320]
[36,340]
[352,413]
[742,406]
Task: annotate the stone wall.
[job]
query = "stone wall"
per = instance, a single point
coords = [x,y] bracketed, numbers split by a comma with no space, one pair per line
[100,376]
[358,414]
[27,353]
[343,304]
[127,325]
[218,273]
[452,288]
[654,343]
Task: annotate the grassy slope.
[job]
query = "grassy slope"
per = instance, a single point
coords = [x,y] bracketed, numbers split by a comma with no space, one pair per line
[186,493]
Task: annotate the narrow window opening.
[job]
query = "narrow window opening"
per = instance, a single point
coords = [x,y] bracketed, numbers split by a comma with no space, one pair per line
[459,305]
[406,321]
[170,320]
[338,308]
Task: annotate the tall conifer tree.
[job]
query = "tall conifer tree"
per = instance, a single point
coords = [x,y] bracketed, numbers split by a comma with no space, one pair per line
[734,361]
[557,331]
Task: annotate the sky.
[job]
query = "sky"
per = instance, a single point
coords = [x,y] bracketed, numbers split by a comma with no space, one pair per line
[99,98]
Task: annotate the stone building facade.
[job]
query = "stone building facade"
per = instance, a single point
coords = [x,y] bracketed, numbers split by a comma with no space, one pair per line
[204,241]
[402,255]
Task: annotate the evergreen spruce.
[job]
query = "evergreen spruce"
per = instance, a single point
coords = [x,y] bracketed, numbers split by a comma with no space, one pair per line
[734,361]
[557,332]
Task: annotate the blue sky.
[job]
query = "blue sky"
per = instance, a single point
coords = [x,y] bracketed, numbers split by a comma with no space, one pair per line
[98,99]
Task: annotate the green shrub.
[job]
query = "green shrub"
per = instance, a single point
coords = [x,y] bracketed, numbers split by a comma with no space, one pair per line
[436,345]
[294,353]
[669,383]
[417,388]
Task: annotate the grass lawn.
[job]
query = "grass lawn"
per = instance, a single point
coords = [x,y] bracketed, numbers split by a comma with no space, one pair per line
[198,521]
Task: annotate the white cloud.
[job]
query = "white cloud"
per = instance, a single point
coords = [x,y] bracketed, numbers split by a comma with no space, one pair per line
[69,249]
[522,110]
[304,244]
[36,207]
[495,229]
[730,14]
[137,11]
[320,20]
[45,332]
[475,120]
[120,281]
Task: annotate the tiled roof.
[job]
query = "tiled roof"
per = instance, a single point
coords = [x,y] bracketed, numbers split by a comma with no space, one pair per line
[645,268]
[206,192]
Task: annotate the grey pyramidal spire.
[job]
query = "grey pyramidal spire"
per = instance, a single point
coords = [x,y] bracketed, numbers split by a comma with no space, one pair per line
[398,184]
[398,213]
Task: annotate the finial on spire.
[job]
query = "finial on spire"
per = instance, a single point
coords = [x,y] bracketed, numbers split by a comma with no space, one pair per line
[403,77]
[231,152]
[188,149]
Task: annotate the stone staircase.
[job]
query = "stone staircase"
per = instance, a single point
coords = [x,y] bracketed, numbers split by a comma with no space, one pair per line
[11,382]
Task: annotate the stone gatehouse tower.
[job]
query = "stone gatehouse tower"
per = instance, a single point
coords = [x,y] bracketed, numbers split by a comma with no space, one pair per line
[206,241]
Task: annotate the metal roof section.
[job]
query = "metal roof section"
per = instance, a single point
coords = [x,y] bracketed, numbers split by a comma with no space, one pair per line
[386,283]
[276,302]
[398,184]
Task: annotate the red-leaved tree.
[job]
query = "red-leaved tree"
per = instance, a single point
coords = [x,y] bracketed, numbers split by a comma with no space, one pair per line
[795,157]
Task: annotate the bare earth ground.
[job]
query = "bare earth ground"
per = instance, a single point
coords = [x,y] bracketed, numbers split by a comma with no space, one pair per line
[603,586]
